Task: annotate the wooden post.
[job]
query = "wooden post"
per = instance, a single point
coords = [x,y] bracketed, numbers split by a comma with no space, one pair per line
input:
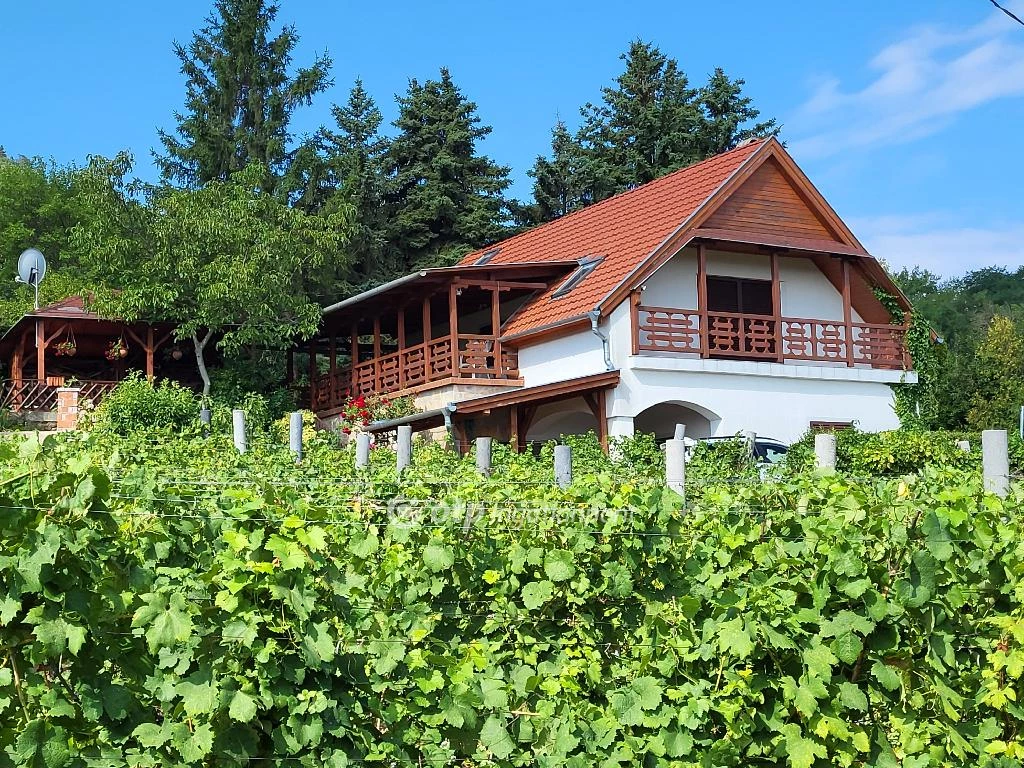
[496,330]
[847,312]
[401,347]
[777,308]
[453,327]
[602,419]
[332,351]
[150,348]
[40,350]
[376,353]
[634,315]
[513,413]
[426,338]
[355,345]
[702,296]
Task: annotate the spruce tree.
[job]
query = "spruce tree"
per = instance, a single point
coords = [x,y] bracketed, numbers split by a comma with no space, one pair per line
[558,186]
[649,122]
[728,115]
[444,198]
[240,96]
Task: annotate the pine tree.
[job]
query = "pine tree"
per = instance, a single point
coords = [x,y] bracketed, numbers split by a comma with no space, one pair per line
[355,155]
[726,111]
[649,122]
[240,96]
[557,183]
[645,126]
[444,198]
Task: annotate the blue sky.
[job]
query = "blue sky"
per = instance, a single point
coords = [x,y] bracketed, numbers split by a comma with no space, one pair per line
[907,116]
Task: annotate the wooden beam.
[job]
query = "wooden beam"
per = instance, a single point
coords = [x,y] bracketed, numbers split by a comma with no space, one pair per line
[354,352]
[149,346]
[602,419]
[812,245]
[777,306]
[702,296]
[847,312]
[496,331]
[501,285]
[426,338]
[513,428]
[40,350]
[453,328]
[634,320]
[332,347]
[376,353]
[55,334]
[401,346]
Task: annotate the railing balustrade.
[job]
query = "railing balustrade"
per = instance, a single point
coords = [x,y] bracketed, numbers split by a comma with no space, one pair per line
[477,356]
[765,337]
[35,395]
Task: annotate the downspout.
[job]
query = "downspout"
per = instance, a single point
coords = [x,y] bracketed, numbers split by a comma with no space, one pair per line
[606,346]
[446,413]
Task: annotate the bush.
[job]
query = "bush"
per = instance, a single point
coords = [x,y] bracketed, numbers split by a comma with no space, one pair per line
[135,404]
[898,452]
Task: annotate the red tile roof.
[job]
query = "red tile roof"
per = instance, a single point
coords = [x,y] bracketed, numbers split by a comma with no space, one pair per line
[624,229]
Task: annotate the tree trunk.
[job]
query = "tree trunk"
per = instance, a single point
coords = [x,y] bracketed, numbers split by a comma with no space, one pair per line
[200,345]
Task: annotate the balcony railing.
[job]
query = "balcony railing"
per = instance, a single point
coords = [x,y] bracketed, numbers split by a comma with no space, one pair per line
[765,337]
[475,358]
[34,395]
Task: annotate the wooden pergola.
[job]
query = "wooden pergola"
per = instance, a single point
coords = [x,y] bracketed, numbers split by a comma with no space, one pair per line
[38,352]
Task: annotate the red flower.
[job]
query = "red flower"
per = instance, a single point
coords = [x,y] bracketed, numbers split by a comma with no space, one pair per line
[346,430]
[359,402]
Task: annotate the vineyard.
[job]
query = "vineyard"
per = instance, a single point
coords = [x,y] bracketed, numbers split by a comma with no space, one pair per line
[169,602]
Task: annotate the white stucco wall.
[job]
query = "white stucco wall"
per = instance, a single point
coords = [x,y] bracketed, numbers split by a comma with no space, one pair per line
[564,357]
[805,291]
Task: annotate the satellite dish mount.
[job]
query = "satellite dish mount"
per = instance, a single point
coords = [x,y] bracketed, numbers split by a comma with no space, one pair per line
[32,270]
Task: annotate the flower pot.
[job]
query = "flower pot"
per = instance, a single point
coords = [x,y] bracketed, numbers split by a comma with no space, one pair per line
[122,352]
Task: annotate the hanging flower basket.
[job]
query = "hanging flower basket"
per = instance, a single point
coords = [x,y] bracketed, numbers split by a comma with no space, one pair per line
[116,350]
[65,348]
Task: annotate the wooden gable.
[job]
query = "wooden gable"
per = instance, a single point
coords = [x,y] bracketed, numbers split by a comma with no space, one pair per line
[769,204]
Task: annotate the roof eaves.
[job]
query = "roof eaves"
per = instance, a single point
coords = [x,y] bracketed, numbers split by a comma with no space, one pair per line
[539,329]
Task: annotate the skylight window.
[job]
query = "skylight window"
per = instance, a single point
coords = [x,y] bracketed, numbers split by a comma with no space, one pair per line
[486,257]
[587,265]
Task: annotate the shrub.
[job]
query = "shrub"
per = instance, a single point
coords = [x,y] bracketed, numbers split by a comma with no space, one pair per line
[136,404]
[898,452]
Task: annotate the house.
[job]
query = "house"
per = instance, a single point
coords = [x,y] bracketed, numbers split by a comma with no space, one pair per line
[66,342]
[726,296]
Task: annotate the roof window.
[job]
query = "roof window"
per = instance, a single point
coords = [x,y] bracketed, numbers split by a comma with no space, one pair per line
[486,256]
[587,265]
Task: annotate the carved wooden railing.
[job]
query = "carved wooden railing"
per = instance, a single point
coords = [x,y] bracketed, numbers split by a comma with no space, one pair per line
[34,395]
[474,358]
[765,337]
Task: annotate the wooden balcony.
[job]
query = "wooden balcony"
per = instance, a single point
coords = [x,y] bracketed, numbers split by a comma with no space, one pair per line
[418,367]
[731,335]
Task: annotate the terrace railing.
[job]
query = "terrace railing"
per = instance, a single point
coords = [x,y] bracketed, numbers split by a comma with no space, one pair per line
[474,357]
[734,335]
[34,395]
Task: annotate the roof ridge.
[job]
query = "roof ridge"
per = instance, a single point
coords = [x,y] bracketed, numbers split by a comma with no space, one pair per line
[620,195]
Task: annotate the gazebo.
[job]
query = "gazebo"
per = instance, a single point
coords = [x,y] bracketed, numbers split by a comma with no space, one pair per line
[66,344]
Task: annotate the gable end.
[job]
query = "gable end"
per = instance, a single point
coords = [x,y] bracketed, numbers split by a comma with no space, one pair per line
[768,204]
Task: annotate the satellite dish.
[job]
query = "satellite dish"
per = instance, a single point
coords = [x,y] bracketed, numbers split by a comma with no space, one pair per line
[31,267]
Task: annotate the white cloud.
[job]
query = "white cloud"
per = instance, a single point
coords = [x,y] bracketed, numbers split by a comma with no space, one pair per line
[921,83]
[935,243]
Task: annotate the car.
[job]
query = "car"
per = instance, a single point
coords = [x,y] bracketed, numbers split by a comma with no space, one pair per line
[767,450]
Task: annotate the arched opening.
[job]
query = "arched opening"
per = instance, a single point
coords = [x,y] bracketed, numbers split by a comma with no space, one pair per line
[567,417]
[661,419]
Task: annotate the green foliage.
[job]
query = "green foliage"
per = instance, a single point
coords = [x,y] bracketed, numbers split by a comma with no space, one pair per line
[649,122]
[887,454]
[444,199]
[999,373]
[226,609]
[137,405]
[224,260]
[240,97]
